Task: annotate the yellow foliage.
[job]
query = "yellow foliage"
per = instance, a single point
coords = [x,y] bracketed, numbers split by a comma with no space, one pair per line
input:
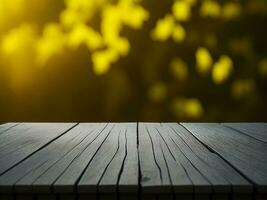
[181,10]
[203,60]
[178,33]
[179,69]
[222,69]
[133,15]
[210,8]
[82,34]
[242,88]
[103,59]
[113,19]
[19,41]
[51,43]
[79,11]
[157,92]
[164,28]
[187,108]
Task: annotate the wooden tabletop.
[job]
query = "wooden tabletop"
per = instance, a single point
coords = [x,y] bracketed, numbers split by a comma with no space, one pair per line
[187,161]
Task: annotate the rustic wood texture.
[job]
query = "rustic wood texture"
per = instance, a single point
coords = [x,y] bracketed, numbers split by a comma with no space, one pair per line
[80,161]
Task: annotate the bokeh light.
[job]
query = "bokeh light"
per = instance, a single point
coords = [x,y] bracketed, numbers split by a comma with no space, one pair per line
[133,60]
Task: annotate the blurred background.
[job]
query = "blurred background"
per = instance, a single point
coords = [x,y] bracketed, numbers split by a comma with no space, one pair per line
[133,60]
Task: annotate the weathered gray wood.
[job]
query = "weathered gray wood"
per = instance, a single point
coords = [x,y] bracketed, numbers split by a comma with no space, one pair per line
[103,162]
[44,182]
[39,134]
[200,161]
[129,177]
[53,154]
[166,185]
[7,126]
[214,165]
[255,130]
[66,183]
[15,134]
[110,177]
[151,180]
[187,175]
[180,181]
[246,155]
[22,177]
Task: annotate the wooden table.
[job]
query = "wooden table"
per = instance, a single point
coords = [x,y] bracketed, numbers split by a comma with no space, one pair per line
[207,161]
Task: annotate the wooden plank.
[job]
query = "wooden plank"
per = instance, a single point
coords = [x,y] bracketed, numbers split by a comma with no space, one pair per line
[210,164]
[21,177]
[129,177]
[121,174]
[39,134]
[5,127]
[180,181]
[103,165]
[208,171]
[151,180]
[255,130]
[44,183]
[244,154]
[29,171]
[159,158]
[66,183]
[14,134]
[110,177]
[184,174]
